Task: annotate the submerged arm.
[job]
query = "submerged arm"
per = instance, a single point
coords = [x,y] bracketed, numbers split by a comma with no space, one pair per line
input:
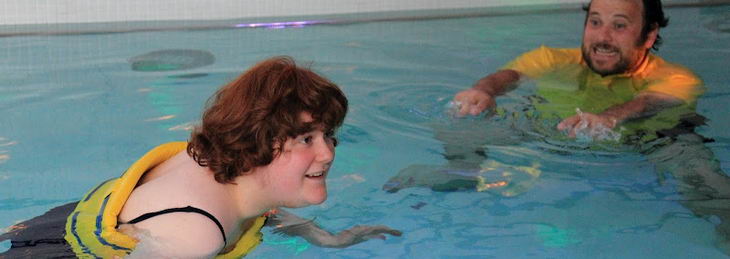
[286,223]
[642,106]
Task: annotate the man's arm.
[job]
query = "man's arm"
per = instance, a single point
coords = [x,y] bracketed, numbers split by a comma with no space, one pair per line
[286,223]
[642,106]
[481,96]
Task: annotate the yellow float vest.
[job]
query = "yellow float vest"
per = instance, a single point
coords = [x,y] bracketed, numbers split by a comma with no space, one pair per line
[91,229]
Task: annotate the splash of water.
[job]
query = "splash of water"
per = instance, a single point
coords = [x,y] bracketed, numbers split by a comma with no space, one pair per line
[452,108]
[452,111]
[583,133]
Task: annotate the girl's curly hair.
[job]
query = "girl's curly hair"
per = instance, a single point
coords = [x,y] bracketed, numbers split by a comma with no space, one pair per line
[246,119]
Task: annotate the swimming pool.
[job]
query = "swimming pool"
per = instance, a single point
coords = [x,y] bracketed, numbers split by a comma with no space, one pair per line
[74,114]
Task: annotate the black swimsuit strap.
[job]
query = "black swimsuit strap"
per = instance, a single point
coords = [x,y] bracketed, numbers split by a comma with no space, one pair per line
[185,209]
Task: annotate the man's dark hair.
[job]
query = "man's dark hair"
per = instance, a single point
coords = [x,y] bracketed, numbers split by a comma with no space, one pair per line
[653,19]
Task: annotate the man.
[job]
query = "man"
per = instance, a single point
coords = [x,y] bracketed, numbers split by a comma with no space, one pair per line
[612,82]
[617,82]
[618,79]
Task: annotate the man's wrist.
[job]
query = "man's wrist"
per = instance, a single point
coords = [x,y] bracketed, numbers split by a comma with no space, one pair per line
[484,89]
[612,118]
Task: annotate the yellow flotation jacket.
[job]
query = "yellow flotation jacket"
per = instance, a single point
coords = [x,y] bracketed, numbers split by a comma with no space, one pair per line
[91,229]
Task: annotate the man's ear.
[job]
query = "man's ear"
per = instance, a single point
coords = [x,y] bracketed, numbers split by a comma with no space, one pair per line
[651,36]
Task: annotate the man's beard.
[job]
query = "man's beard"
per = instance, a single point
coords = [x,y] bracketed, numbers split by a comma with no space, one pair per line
[620,67]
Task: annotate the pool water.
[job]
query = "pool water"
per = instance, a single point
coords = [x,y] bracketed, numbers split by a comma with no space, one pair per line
[74,113]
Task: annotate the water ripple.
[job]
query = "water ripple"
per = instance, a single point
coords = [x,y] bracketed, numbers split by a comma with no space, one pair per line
[408,110]
[4,143]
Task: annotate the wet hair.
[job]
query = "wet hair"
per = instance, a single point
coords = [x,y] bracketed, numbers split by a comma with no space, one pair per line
[247,120]
[653,19]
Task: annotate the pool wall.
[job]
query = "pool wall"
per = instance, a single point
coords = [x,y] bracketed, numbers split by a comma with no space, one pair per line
[24,17]
[86,11]
[42,17]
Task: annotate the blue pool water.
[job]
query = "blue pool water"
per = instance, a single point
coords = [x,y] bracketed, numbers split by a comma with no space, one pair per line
[74,113]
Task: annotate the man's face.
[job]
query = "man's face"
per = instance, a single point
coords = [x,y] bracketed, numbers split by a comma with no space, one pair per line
[612,36]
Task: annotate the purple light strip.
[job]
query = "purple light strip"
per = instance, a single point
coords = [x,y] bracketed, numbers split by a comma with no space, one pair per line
[278,25]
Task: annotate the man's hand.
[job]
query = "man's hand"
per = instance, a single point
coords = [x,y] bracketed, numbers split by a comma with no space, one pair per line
[481,96]
[473,102]
[584,120]
[642,106]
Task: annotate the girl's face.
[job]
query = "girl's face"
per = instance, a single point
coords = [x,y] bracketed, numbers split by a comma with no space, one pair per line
[296,177]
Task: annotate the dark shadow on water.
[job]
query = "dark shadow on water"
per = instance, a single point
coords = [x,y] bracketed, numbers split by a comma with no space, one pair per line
[171,60]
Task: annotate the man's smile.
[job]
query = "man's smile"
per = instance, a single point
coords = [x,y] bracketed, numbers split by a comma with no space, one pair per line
[605,50]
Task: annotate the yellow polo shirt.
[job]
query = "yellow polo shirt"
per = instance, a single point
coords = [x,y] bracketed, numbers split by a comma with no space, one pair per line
[566,83]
